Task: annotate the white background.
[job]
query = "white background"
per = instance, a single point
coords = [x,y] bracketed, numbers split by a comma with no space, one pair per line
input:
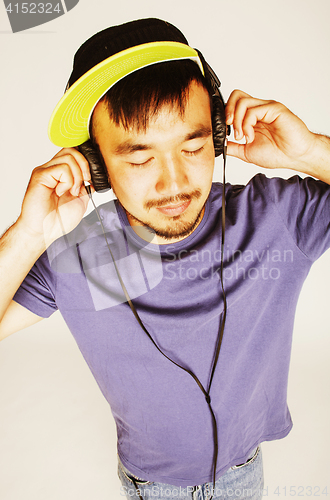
[57,436]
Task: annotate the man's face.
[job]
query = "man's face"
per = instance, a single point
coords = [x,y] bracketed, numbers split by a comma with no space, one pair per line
[161,176]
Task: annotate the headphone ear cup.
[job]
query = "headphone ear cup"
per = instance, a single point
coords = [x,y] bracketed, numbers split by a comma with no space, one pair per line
[218,124]
[97,168]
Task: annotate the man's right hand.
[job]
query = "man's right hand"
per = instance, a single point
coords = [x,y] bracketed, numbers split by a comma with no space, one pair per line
[54,203]
[56,199]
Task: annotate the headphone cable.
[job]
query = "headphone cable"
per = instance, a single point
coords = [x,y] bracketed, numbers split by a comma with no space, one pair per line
[221,326]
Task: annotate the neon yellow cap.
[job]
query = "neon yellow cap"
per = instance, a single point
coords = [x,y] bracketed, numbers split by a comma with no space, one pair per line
[69,123]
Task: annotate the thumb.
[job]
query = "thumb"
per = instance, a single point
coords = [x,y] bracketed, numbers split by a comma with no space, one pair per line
[237,150]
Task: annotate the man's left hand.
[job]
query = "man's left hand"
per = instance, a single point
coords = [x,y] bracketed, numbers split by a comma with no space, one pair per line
[275,137]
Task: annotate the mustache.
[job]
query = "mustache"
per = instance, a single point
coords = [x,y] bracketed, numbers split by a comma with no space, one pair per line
[173,200]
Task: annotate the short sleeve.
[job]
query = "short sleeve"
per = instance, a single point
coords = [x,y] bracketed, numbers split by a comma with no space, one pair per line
[304,206]
[37,291]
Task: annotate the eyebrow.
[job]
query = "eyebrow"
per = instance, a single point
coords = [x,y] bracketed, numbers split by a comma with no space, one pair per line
[201,131]
[129,147]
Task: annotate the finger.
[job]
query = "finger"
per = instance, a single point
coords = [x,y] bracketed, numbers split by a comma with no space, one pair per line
[65,157]
[79,158]
[242,106]
[58,178]
[236,150]
[265,113]
[234,97]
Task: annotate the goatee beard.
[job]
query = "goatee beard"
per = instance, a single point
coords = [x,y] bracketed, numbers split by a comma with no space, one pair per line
[175,228]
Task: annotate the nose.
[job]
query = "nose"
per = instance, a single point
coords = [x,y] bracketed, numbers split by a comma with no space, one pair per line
[173,176]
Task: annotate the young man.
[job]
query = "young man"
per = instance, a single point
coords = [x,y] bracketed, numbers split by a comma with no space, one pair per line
[194,388]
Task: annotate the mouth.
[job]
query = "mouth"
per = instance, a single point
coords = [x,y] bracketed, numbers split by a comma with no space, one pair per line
[173,210]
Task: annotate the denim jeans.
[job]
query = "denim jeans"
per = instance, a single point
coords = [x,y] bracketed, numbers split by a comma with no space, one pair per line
[242,482]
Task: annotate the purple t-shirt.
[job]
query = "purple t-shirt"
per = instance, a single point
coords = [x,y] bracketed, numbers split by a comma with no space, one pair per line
[275,229]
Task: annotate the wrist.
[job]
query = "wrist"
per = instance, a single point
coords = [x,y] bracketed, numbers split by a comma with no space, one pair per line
[32,242]
[317,161]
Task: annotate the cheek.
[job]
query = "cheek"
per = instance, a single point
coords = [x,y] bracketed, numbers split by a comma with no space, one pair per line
[206,167]
[129,187]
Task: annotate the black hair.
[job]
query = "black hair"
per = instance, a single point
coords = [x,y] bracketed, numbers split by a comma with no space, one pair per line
[135,99]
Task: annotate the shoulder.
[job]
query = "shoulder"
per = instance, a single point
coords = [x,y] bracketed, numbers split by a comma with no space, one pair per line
[272,187]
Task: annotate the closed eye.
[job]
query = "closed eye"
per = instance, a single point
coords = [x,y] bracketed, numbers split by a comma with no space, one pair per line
[142,164]
[194,152]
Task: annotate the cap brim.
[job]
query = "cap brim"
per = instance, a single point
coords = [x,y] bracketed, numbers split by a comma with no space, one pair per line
[69,123]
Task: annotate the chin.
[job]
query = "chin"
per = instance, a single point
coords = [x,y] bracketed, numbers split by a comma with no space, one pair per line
[173,228]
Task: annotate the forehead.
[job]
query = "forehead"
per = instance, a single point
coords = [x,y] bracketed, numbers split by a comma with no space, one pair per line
[197,109]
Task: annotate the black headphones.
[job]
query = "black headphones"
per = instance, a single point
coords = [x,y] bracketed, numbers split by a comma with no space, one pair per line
[98,169]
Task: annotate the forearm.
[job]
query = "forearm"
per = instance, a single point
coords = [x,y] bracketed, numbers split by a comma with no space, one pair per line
[18,252]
